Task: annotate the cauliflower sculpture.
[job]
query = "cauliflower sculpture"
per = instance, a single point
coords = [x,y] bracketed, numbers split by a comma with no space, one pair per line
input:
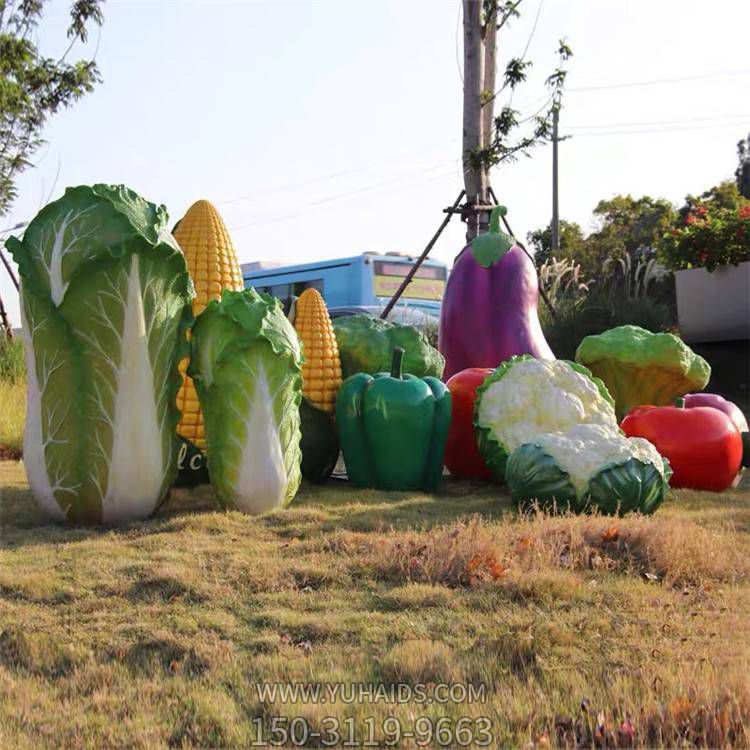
[526,397]
[640,367]
[589,466]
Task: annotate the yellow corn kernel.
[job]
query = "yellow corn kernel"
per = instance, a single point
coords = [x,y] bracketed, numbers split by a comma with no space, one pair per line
[213,266]
[321,371]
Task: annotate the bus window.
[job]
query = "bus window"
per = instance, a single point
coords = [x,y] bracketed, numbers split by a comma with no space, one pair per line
[299,286]
[281,291]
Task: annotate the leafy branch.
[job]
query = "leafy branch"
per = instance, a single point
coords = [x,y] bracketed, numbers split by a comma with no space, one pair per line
[507,144]
[34,87]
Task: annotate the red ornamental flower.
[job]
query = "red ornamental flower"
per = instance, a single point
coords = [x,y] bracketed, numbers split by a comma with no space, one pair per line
[690,219]
[701,211]
[745,212]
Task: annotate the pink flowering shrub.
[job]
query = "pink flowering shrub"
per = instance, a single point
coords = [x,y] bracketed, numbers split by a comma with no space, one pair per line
[708,237]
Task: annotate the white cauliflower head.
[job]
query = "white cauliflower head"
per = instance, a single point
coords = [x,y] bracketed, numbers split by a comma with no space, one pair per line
[530,397]
[584,450]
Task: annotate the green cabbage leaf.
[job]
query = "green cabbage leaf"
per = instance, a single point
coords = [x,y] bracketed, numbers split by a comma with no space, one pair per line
[105,298]
[247,367]
[366,344]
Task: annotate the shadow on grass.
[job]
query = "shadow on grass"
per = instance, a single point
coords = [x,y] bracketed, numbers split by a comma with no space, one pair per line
[340,505]
[23,523]
[320,509]
[317,509]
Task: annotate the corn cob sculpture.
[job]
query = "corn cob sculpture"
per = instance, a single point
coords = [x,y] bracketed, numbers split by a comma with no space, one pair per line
[213,266]
[321,371]
[321,380]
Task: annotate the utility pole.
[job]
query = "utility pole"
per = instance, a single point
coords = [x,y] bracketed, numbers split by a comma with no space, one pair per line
[555,204]
[555,207]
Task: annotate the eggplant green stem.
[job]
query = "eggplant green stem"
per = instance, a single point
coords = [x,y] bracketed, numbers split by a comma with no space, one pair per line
[497,213]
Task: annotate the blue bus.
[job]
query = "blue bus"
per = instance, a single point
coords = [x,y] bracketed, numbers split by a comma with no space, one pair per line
[365,281]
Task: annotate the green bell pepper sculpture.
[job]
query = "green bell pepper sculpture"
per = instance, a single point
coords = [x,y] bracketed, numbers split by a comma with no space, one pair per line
[393,427]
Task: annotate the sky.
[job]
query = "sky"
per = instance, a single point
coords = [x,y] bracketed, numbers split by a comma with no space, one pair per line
[325,129]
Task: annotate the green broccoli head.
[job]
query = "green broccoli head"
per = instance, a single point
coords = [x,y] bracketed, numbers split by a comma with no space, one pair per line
[640,367]
[366,344]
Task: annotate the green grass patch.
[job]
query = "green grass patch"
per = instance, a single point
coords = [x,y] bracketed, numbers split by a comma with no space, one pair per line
[12,361]
[581,630]
[12,418]
[12,397]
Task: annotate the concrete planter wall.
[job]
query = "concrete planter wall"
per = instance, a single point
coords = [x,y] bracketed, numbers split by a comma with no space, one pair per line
[714,306]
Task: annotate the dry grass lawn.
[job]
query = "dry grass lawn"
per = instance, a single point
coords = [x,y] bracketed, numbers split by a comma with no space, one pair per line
[584,631]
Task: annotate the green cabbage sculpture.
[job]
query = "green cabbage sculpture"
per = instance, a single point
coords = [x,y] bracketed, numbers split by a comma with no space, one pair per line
[366,344]
[525,397]
[105,303]
[588,467]
[640,367]
[247,368]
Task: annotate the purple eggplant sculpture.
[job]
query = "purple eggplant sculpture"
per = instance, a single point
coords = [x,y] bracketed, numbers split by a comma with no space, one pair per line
[489,310]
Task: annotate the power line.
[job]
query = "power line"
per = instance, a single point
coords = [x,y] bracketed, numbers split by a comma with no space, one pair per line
[366,188]
[657,130]
[533,29]
[334,175]
[713,118]
[528,43]
[308,207]
[662,81]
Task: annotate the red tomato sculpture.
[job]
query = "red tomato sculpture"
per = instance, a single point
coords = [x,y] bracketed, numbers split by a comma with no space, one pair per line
[703,445]
[461,453]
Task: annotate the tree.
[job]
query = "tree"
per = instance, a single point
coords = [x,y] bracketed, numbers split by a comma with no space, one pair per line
[725,195]
[626,226]
[742,173]
[489,140]
[572,242]
[631,226]
[34,87]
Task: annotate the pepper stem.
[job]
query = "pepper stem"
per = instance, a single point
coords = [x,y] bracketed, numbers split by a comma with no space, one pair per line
[679,402]
[397,363]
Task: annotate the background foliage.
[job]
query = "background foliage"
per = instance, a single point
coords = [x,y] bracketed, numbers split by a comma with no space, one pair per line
[711,230]
[33,86]
[624,226]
